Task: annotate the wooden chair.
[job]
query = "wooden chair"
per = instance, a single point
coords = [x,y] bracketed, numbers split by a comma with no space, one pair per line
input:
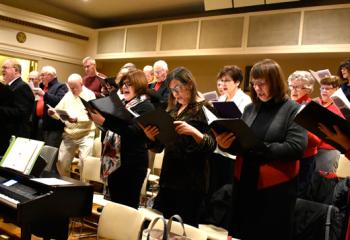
[119,222]
[214,232]
[343,169]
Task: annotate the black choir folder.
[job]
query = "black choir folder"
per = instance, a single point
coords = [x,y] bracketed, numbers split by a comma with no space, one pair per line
[245,137]
[313,113]
[110,106]
[227,110]
[163,121]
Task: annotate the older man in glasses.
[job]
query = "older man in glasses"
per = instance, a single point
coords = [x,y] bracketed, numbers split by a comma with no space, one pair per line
[16,104]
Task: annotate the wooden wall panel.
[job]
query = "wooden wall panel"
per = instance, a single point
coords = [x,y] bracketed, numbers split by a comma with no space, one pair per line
[141,39]
[221,33]
[274,29]
[326,27]
[177,36]
[111,41]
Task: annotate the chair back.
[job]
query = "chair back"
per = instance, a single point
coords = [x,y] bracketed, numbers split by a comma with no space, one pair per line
[97,148]
[91,169]
[343,169]
[158,162]
[49,154]
[119,222]
[143,193]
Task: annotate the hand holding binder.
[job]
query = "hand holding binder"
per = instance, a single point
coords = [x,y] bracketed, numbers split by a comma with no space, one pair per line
[311,114]
[245,138]
[110,106]
[162,120]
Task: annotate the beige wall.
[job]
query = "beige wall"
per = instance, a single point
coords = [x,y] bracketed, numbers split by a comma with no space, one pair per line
[205,68]
[63,69]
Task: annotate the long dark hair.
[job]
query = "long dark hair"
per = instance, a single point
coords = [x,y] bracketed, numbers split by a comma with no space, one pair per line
[183,75]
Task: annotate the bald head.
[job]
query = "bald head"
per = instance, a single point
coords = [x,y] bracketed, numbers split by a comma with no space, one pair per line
[75,84]
[11,69]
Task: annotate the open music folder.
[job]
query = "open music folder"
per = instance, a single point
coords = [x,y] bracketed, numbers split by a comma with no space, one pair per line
[22,154]
[163,121]
[311,114]
[110,106]
[245,137]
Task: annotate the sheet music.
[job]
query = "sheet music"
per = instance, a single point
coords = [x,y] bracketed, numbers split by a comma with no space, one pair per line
[209,115]
[52,181]
[22,154]
[341,101]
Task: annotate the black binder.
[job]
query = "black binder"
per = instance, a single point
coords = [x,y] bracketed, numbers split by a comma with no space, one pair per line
[227,110]
[245,137]
[163,121]
[313,113]
[110,106]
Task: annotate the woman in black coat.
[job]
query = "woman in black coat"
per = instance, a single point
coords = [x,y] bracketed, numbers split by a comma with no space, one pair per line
[125,183]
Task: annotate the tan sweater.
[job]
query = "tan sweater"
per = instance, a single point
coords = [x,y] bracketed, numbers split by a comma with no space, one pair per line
[75,108]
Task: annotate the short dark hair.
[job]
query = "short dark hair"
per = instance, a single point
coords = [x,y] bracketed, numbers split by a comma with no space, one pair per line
[334,81]
[137,79]
[345,64]
[232,71]
[272,73]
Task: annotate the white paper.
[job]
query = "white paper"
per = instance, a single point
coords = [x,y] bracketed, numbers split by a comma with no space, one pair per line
[342,102]
[209,115]
[210,96]
[22,155]
[52,181]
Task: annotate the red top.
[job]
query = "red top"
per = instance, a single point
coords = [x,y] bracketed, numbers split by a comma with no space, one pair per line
[94,83]
[333,108]
[313,141]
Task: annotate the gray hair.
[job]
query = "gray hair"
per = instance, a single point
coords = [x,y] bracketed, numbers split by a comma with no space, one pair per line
[148,68]
[305,77]
[92,60]
[49,69]
[162,64]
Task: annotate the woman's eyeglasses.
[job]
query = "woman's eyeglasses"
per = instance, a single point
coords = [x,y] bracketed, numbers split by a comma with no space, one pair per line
[326,89]
[296,88]
[127,84]
[176,89]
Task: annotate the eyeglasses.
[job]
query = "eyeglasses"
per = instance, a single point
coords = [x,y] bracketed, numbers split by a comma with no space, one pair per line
[87,66]
[6,67]
[326,89]
[126,84]
[258,83]
[226,80]
[176,89]
[297,88]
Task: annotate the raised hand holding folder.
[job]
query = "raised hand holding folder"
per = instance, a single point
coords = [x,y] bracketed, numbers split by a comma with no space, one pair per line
[110,106]
[245,138]
[311,114]
[163,121]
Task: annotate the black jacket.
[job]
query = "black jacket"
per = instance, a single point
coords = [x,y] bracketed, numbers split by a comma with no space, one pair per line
[15,113]
[52,97]
[133,151]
